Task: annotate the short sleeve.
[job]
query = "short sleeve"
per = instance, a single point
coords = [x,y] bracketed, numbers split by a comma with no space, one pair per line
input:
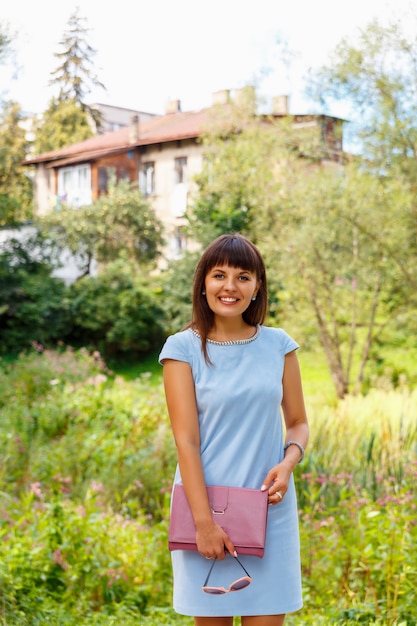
[288,343]
[176,347]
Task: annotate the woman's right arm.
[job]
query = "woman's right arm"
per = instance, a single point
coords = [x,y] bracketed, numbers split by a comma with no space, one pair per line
[182,409]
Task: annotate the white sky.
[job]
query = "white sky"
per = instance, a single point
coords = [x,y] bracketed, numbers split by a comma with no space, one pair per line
[151,51]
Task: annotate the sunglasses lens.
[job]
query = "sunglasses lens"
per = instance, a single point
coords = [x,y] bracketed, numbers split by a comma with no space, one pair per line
[215,591]
[240,584]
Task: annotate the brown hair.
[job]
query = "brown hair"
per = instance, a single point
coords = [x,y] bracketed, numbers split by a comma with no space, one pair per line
[234,250]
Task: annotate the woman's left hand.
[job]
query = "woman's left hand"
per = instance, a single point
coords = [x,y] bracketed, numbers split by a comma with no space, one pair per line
[276,482]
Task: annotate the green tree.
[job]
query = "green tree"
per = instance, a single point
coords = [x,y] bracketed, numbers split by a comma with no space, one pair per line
[75,75]
[375,77]
[33,304]
[331,237]
[69,118]
[63,123]
[176,291]
[117,312]
[334,245]
[245,160]
[15,184]
[120,222]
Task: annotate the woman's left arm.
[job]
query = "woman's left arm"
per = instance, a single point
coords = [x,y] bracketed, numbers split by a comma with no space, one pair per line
[297,430]
[294,411]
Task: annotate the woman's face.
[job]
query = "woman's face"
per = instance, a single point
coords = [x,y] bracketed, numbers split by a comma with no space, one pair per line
[229,290]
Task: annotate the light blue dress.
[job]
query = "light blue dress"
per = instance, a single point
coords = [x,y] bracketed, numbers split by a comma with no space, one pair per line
[241,430]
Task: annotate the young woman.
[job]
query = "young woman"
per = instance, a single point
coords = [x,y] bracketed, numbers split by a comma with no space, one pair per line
[226,379]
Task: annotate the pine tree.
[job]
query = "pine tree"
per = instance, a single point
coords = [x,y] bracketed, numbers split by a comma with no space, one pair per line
[68,118]
[75,74]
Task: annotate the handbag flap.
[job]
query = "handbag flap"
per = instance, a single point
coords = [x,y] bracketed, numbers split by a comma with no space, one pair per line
[218,498]
[241,512]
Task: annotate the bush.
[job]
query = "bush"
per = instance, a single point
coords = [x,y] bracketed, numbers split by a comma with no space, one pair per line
[115,312]
[86,469]
[85,430]
[87,461]
[358,501]
[33,304]
[83,556]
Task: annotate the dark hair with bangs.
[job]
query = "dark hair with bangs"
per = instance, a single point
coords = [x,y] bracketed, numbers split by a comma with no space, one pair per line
[234,250]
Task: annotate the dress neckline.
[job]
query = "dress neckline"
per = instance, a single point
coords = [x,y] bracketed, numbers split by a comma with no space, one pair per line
[231,342]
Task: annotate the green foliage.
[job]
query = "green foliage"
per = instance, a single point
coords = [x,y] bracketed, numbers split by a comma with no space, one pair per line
[15,184]
[243,157]
[87,461]
[117,312]
[339,273]
[75,75]
[68,118]
[176,291]
[374,76]
[332,274]
[82,556]
[63,123]
[119,223]
[33,305]
[358,503]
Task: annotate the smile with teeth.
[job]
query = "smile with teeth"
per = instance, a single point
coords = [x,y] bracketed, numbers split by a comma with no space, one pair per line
[226,299]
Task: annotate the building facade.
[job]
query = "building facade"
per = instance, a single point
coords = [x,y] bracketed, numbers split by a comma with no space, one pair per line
[162,154]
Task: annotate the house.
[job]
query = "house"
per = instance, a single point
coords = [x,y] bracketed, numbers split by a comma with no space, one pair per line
[114,117]
[161,153]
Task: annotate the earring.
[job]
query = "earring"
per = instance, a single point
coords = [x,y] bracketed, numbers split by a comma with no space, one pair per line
[253,298]
[203,293]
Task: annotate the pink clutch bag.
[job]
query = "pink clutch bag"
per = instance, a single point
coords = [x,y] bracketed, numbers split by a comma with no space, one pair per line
[241,512]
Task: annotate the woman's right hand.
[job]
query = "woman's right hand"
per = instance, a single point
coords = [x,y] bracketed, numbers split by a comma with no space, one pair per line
[213,542]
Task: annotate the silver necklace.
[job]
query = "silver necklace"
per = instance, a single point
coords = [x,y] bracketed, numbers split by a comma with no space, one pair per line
[231,342]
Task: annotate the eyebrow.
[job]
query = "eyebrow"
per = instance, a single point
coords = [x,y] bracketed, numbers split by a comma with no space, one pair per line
[222,269]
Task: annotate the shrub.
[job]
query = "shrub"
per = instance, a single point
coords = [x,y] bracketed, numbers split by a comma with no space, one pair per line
[99,429]
[33,304]
[87,461]
[82,555]
[87,464]
[115,312]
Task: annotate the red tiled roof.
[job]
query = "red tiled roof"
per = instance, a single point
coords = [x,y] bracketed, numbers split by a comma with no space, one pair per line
[171,127]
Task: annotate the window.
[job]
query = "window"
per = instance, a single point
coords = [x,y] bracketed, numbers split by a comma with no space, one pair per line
[179,242]
[104,173]
[74,185]
[147,178]
[180,170]
[179,191]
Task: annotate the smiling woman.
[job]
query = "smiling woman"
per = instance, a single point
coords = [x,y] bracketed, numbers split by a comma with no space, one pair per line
[226,378]
[229,292]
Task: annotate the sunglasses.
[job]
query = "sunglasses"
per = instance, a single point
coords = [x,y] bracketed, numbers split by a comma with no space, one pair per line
[236,585]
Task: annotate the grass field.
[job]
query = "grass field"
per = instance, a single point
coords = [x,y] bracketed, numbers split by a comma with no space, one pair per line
[86,467]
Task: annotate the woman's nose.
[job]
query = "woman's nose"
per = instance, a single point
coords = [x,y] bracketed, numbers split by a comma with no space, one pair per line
[230,285]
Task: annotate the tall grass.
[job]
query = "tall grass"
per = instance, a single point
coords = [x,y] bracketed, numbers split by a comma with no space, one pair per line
[86,464]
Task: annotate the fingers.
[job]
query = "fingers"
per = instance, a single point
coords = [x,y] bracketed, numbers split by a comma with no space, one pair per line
[276,493]
[269,478]
[217,547]
[230,547]
[221,554]
[276,483]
